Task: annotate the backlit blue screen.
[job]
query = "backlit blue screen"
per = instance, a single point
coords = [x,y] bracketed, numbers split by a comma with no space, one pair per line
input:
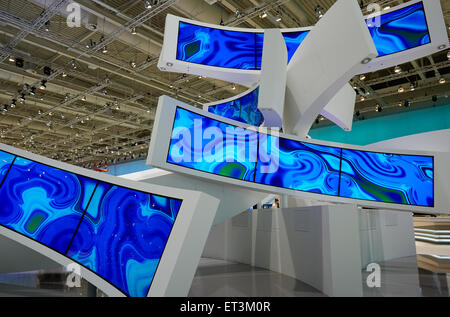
[301,166]
[244,109]
[400,30]
[123,235]
[400,179]
[118,233]
[212,146]
[291,164]
[44,203]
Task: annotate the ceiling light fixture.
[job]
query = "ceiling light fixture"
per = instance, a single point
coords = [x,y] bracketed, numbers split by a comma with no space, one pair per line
[133,31]
[12,59]
[318,11]
[147,5]
[105,49]
[362,77]
[401,89]
[133,64]
[397,69]
[442,80]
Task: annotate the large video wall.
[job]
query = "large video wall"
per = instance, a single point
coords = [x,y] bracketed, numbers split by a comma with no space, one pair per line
[118,233]
[215,147]
[398,31]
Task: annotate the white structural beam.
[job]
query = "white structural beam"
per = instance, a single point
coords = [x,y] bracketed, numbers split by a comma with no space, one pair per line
[272,88]
[341,107]
[323,65]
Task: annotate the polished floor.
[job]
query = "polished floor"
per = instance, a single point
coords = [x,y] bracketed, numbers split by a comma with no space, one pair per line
[216,278]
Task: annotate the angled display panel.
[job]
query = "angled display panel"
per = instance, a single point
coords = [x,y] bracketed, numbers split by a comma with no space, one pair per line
[212,146]
[403,33]
[244,108]
[400,30]
[392,178]
[115,229]
[289,165]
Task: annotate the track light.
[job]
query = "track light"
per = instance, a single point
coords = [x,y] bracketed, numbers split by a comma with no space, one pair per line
[22,98]
[83,98]
[412,87]
[401,89]
[263,15]
[379,108]
[147,5]
[233,87]
[442,80]
[105,49]
[47,26]
[73,64]
[5,108]
[318,11]
[362,77]
[43,86]
[90,43]
[64,75]
[13,103]
[448,54]
[11,59]
[133,31]
[278,19]
[397,69]
[33,91]
[133,64]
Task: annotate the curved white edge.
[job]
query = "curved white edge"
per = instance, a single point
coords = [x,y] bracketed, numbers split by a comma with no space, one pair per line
[160,143]
[197,212]
[433,12]
[341,108]
[220,102]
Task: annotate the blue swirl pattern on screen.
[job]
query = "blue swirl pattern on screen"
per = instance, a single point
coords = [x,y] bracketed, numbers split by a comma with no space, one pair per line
[400,30]
[123,235]
[391,178]
[291,164]
[244,109]
[5,162]
[301,166]
[44,203]
[215,47]
[212,146]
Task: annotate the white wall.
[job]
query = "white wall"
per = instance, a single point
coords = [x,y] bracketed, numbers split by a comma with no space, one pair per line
[435,141]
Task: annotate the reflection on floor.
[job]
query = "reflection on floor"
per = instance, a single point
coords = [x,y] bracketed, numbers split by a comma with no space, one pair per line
[218,278]
[400,277]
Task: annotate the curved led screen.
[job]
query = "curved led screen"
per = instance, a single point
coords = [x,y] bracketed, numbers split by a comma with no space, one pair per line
[243,109]
[400,30]
[291,164]
[117,233]
[397,31]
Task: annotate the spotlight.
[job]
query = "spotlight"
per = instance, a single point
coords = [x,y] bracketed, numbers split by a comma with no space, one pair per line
[318,11]
[397,69]
[22,98]
[412,87]
[12,59]
[448,54]
[89,43]
[13,103]
[47,26]
[19,62]
[407,104]
[104,50]
[133,64]
[278,19]
[362,77]
[33,91]
[133,31]
[83,98]
[379,108]
[401,89]
[442,80]
[73,64]
[263,15]
[233,87]
[43,86]
[5,108]
[147,5]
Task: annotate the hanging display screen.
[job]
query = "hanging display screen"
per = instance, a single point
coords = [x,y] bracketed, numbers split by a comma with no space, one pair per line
[118,233]
[291,164]
[392,32]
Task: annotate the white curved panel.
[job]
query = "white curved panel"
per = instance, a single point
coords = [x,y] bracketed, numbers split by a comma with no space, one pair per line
[340,109]
[323,65]
[272,85]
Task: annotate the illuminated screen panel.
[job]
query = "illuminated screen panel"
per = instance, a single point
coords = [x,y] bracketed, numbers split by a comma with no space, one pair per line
[389,178]
[293,41]
[215,47]
[296,165]
[123,235]
[212,146]
[244,109]
[5,162]
[400,30]
[44,203]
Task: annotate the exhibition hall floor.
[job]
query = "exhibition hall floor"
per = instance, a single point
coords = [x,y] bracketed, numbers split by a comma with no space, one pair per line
[217,278]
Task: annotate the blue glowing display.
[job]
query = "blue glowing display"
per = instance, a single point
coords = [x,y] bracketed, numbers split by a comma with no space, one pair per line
[400,30]
[244,109]
[44,203]
[291,164]
[123,235]
[400,179]
[301,166]
[212,146]
[118,233]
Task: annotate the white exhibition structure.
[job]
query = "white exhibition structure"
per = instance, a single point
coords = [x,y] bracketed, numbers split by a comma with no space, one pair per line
[323,240]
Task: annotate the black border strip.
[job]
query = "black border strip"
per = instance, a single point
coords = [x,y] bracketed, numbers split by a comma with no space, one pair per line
[9,168]
[329,195]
